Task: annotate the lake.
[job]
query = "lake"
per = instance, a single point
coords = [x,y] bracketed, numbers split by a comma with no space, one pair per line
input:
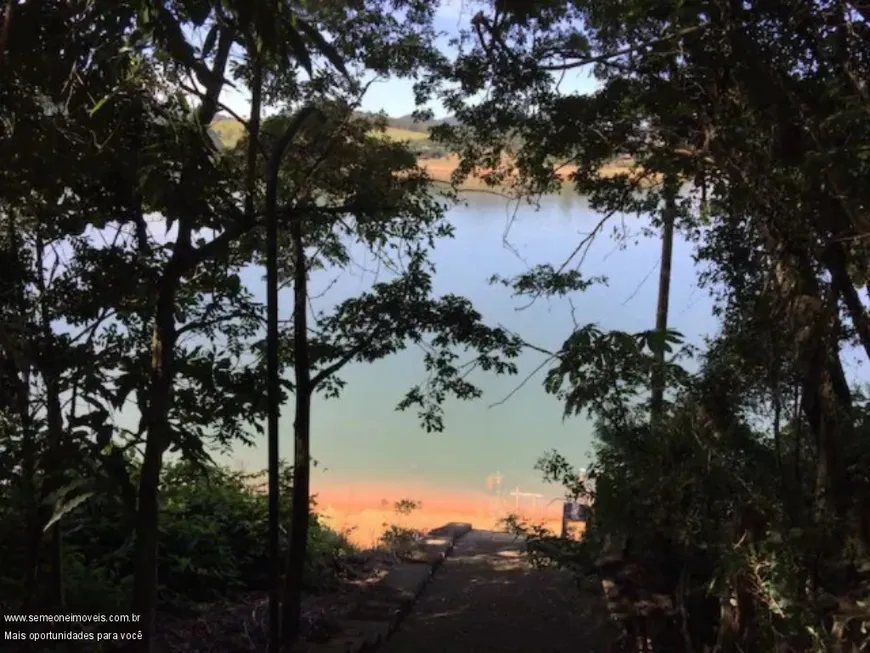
[360,440]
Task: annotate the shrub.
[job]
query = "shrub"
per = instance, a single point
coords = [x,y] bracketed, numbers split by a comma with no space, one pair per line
[397,539]
[213,543]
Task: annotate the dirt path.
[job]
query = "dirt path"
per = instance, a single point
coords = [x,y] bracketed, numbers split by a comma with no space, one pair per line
[487,599]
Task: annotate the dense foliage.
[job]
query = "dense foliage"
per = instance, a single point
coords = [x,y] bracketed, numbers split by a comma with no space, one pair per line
[128,239]
[741,497]
[212,545]
[732,506]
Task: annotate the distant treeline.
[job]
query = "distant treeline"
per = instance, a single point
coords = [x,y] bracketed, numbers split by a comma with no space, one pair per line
[426,149]
[406,122]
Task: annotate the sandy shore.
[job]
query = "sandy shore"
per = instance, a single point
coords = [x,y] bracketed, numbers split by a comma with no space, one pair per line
[364,511]
[442,168]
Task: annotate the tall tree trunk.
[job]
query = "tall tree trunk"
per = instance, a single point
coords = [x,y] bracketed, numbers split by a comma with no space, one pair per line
[16,378]
[273,373]
[301,439]
[812,321]
[826,404]
[54,465]
[6,29]
[162,376]
[669,214]
[31,504]
[158,439]
[836,262]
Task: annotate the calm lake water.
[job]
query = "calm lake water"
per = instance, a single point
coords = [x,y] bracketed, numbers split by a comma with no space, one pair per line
[361,438]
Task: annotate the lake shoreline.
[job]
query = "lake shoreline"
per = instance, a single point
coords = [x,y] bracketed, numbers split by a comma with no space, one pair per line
[442,169]
[364,510]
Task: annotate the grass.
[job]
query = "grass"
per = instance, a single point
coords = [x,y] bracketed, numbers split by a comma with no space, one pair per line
[230,133]
[396,134]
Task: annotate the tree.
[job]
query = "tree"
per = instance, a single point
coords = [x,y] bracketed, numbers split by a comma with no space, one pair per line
[750,103]
[366,190]
[669,216]
[146,226]
[174,167]
[43,206]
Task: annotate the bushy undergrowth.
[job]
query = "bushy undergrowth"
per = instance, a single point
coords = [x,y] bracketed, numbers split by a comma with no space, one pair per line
[714,538]
[213,544]
[399,539]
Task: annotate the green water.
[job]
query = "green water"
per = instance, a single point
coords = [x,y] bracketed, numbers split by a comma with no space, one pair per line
[362,438]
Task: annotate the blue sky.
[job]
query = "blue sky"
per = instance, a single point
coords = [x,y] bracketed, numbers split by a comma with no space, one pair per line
[396,96]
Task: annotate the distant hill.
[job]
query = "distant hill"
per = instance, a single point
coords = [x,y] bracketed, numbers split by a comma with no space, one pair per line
[439,161]
[229,131]
[408,123]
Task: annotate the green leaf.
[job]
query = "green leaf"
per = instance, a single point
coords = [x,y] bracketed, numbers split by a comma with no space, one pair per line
[99,105]
[210,40]
[63,509]
[300,49]
[61,492]
[673,336]
[324,46]
[124,386]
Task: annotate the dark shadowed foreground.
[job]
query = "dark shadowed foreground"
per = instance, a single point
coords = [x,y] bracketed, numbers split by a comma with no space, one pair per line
[486,598]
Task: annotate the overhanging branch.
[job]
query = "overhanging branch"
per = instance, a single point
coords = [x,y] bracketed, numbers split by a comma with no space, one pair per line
[348,356]
[480,23]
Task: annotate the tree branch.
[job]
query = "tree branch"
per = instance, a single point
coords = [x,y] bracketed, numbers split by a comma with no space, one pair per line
[206,323]
[208,108]
[348,356]
[480,21]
